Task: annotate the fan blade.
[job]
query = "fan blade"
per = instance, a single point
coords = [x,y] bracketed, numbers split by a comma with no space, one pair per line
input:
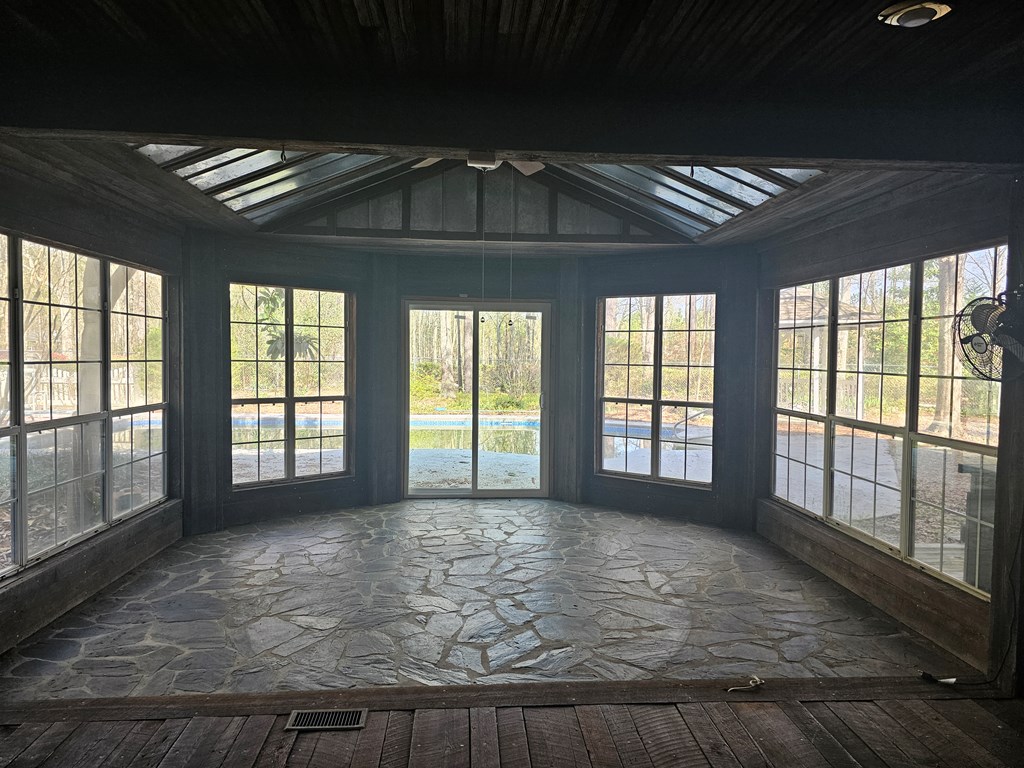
[526,167]
[985,317]
[428,162]
[1010,343]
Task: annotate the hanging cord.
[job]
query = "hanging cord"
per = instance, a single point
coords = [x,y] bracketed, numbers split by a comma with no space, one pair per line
[511,236]
[483,259]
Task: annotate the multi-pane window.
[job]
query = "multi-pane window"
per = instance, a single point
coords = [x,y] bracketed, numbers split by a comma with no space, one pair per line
[867,467]
[60,427]
[871,348]
[800,461]
[952,506]
[139,460]
[7,522]
[953,403]
[137,387]
[7,445]
[907,462]
[873,324]
[289,391]
[802,332]
[657,386]
[62,323]
[64,484]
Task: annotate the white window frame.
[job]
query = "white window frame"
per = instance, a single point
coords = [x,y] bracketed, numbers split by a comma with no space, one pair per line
[289,399]
[19,430]
[908,433]
[656,402]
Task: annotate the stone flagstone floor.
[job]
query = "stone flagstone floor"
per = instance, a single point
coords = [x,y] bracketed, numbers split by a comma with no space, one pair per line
[444,591]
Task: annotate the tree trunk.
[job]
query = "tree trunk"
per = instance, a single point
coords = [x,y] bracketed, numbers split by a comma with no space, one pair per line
[948,390]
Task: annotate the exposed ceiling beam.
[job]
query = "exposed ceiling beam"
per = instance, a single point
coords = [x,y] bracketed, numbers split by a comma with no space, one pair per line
[857,133]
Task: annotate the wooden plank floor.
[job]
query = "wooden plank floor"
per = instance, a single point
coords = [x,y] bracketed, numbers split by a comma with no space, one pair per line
[842,729]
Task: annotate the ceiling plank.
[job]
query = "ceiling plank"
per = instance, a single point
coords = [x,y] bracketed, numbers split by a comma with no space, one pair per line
[125,179]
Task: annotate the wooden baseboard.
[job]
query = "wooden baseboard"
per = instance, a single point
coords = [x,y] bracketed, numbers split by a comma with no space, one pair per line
[951,618]
[47,590]
[467,696]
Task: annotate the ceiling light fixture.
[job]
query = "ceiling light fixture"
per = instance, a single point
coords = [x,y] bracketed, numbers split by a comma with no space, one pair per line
[484,161]
[913,14]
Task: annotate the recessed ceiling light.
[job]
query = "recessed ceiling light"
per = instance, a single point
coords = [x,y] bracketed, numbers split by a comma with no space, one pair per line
[913,14]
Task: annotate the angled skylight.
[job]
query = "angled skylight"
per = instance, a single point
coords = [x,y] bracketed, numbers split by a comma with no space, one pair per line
[265,185]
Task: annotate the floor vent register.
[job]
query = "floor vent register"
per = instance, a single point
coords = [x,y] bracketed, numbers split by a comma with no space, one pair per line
[326,719]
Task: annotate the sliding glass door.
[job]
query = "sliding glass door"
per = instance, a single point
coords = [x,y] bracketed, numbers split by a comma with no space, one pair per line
[476,380]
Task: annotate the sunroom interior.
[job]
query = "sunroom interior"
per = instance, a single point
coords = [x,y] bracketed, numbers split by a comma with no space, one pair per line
[363,387]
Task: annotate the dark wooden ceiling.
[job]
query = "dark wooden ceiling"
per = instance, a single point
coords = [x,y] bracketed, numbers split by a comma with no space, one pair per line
[626,80]
[630,46]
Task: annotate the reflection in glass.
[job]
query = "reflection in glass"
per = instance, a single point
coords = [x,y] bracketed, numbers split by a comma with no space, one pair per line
[441,375]
[65,484]
[953,512]
[509,370]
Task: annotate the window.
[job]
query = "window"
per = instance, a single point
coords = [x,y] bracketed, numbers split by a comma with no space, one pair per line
[657,381]
[802,394]
[137,397]
[289,390]
[907,462]
[62,423]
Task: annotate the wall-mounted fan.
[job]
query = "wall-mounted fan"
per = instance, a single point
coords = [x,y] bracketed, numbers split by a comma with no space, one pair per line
[486,161]
[986,327]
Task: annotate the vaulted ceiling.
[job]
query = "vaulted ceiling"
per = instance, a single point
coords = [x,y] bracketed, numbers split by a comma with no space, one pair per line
[269,187]
[685,121]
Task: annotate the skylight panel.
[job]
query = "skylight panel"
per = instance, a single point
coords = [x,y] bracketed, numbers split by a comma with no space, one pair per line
[241,168]
[215,161]
[770,187]
[691,188]
[302,176]
[669,191]
[799,175]
[725,184]
[165,153]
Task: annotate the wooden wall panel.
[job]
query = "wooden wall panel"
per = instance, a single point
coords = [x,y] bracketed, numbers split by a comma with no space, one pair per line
[965,216]
[974,212]
[732,274]
[565,387]
[35,597]
[37,207]
[213,262]
[947,615]
[387,367]
[1007,598]
[204,411]
[452,277]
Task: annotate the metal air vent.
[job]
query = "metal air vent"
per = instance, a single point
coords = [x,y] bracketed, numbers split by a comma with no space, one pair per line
[326,719]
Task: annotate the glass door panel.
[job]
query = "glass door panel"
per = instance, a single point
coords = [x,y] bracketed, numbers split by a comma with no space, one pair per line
[475,385]
[509,413]
[441,399]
